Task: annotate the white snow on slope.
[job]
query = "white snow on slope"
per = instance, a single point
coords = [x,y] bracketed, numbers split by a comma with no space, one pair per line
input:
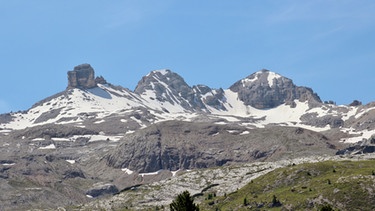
[51,146]
[364,111]
[77,107]
[246,81]
[71,161]
[282,114]
[271,77]
[359,135]
[150,173]
[9,164]
[128,171]
[104,100]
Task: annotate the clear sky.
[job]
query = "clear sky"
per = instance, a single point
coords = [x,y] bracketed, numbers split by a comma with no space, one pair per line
[328,45]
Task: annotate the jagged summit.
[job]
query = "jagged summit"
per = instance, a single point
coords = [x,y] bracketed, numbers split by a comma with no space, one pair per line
[264,78]
[159,80]
[161,71]
[168,86]
[265,75]
[265,89]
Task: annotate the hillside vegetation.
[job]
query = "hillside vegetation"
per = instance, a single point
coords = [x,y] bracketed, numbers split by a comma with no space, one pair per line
[341,185]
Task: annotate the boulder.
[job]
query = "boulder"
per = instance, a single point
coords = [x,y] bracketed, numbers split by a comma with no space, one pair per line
[102,189]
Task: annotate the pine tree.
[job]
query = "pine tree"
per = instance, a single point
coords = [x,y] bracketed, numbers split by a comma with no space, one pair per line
[183,202]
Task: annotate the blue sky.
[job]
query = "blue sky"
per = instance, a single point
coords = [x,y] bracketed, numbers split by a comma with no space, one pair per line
[328,45]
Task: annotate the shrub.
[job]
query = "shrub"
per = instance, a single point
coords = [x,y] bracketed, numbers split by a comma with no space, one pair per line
[326,207]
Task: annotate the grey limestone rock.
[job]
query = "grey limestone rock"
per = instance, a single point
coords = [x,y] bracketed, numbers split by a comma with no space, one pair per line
[83,76]
[314,120]
[265,89]
[211,97]
[171,87]
[175,145]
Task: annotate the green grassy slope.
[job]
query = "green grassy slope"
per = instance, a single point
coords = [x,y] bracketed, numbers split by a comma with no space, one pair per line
[342,185]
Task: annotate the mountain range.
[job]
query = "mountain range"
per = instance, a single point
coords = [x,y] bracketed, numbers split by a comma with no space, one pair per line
[261,99]
[95,138]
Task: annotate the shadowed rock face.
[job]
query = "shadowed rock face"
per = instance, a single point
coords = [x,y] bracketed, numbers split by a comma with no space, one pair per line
[83,76]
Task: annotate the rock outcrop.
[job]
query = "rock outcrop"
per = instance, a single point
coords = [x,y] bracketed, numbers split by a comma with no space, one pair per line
[362,147]
[102,189]
[175,145]
[83,76]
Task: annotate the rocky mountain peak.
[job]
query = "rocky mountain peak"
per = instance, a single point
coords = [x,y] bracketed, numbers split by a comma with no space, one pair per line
[264,78]
[82,76]
[168,86]
[165,77]
[265,89]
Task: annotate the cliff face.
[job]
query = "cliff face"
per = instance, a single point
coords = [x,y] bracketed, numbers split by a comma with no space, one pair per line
[83,76]
[174,145]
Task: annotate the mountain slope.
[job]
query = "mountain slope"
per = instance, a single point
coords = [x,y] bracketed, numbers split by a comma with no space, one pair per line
[261,99]
[343,185]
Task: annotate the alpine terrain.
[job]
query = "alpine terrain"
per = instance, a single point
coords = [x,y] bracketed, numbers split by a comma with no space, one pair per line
[96,145]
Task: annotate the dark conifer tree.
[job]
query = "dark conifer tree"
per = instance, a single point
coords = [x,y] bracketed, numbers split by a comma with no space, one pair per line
[183,202]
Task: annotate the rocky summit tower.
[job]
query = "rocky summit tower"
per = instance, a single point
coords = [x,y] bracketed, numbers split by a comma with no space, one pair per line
[83,76]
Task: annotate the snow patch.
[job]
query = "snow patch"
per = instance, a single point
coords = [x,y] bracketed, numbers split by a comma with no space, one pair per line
[51,146]
[128,171]
[150,173]
[163,71]
[130,132]
[174,172]
[39,139]
[94,138]
[246,81]
[365,134]
[61,139]
[245,132]
[140,123]
[271,77]
[71,161]
[358,115]
[5,130]
[215,134]
[9,164]
[232,131]
[220,123]
[100,121]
